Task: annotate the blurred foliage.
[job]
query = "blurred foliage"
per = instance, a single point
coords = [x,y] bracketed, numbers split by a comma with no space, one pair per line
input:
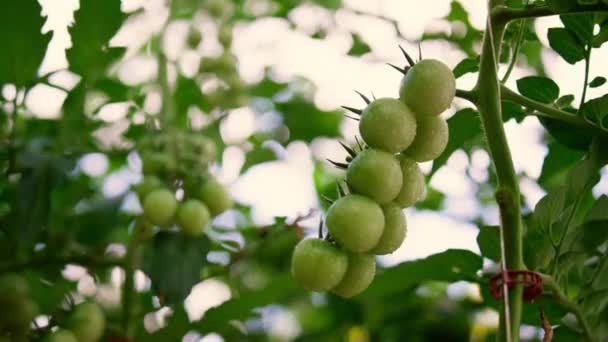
[54,213]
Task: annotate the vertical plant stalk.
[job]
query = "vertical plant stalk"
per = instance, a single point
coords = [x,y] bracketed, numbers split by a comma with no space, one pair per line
[132,262]
[507,194]
[586,79]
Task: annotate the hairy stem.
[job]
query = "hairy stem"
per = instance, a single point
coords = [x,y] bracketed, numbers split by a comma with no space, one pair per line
[507,195]
[568,304]
[507,14]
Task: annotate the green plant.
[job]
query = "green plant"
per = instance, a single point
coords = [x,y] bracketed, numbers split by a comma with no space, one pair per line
[395,229]
[159,206]
[87,322]
[192,217]
[375,174]
[428,88]
[60,335]
[387,124]
[359,274]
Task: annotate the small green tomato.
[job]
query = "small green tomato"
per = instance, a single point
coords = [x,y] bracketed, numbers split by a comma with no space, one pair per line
[413,182]
[431,139]
[61,335]
[388,124]
[359,274]
[215,195]
[317,265]
[395,228]
[159,207]
[355,222]
[192,217]
[375,174]
[87,322]
[428,88]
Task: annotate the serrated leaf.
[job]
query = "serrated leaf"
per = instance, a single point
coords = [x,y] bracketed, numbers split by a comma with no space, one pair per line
[96,22]
[466,66]
[464,126]
[565,44]
[174,263]
[488,240]
[538,88]
[451,265]
[23,44]
[598,81]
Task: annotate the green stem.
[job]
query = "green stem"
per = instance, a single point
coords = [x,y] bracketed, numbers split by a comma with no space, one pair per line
[133,260]
[470,95]
[506,14]
[568,304]
[520,36]
[507,195]
[168,104]
[586,79]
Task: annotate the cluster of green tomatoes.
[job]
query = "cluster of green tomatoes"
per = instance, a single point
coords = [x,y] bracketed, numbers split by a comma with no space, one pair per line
[179,161]
[85,322]
[382,177]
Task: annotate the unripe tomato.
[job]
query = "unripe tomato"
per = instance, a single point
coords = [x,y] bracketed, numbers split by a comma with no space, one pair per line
[413,182]
[155,162]
[431,139]
[224,35]
[395,228]
[428,88]
[192,217]
[148,184]
[215,195]
[355,222]
[375,174]
[61,335]
[18,315]
[87,322]
[159,206]
[317,265]
[359,274]
[387,124]
[194,37]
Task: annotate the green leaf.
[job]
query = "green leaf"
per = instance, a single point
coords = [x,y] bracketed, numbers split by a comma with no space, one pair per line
[258,155]
[359,46]
[242,307]
[560,5]
[433,200]
[466,66]
[306,122]
[488,240]
[594,231]
[557,162]
[23,44]
[565,101]
[448,266]
[174,262]
[464,127]
[576,138]
[96,22]
[597,110]
[565,44]
[549,209]
[598,81]
[595,302]
[581,25]
[538,88]
[511,110]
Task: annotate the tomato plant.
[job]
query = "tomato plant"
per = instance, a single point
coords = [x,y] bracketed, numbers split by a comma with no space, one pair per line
[164,169]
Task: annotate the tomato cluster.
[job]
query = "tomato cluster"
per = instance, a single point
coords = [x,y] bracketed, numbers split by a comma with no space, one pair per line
[382,178]
[84,323]
[174,162]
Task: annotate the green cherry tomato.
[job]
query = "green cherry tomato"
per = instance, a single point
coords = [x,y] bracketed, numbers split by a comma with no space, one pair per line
[359,274]
[375,174]
[215,195]
[395,228]
[87,322]
[428,88]
[148,184]
[192,217]
[159,206]
[431,139]
[388,124]
[413,182]
[18,315]
[61,335]
[355,222]
[317,265]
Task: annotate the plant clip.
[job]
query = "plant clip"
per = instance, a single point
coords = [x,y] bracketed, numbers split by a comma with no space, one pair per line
[532,281]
